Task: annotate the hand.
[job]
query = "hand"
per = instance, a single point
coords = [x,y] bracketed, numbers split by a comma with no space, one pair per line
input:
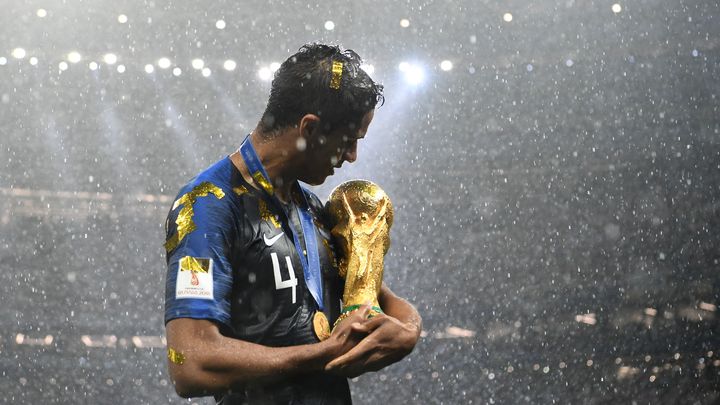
[388,341]
[348,333]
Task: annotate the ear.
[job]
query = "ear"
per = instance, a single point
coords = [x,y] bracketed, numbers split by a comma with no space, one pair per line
[309,124]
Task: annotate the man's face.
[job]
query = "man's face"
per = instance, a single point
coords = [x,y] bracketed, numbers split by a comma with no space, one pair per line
[326,152]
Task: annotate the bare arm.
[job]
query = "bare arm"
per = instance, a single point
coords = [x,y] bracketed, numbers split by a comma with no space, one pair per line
[213,363]
[391,336]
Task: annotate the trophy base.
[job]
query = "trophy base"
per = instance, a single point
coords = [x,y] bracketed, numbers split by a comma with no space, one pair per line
[346,311]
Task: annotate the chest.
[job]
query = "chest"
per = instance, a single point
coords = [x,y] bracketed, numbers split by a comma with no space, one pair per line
[270,261]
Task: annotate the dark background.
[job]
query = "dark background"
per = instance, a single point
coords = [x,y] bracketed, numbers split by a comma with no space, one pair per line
[557,193]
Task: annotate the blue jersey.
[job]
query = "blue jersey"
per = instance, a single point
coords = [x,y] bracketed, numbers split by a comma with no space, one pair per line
[231,259]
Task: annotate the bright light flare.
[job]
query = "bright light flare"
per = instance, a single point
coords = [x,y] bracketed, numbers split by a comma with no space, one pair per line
[164,63]
[414,74]
[3,61]
[206,72]
[446,65]
[149,68]
[122,19]
[198,64]
[110,58]
[229,65]
[41,12]
[507,17]
[220,24]
[18,53]
[329,25]
[404,23]
[74,57]
[121,69]
[63,66]
[274,67]
[177,72]
[265,74]
[616,8]
[33,61]
[93,65]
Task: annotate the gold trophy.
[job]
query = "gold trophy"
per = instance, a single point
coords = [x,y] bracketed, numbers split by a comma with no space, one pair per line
[361,215]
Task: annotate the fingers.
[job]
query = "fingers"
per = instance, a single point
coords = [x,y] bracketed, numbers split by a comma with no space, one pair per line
[369,325]
[349,324]
[351,356]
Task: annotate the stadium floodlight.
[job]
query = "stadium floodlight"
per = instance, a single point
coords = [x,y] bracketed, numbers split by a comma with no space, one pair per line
[74,57]
[414,74]
[164,63]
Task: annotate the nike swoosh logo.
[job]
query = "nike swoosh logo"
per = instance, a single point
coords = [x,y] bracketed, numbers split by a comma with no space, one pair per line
[272,240]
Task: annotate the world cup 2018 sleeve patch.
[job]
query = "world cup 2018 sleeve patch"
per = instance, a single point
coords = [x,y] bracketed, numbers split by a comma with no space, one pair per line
[195,278]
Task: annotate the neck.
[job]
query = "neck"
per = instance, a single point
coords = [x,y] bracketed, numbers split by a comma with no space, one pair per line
[277,159]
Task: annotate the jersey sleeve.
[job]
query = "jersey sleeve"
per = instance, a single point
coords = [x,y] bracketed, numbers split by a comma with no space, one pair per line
[200,227]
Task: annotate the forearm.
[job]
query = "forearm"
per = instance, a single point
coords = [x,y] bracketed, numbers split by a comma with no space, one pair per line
[213,363]
[400,309]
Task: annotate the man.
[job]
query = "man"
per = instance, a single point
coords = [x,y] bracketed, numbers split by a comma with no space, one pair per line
[244,308]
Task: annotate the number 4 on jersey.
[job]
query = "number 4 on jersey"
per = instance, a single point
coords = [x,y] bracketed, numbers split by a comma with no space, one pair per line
[279,282]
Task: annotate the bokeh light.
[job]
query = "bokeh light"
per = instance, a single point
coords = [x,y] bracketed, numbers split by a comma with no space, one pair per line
[164,63]
[18,53]
[74,57]
[229,65]
[198,64]
[265,74]
[110,58]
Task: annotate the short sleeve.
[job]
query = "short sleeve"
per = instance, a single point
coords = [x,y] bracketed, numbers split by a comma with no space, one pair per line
[200,227]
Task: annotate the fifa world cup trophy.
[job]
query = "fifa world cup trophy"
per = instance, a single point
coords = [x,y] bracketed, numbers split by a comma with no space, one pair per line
[361,215]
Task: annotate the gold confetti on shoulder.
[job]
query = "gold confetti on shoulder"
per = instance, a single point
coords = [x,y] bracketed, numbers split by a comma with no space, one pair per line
[266,214]
[184,221]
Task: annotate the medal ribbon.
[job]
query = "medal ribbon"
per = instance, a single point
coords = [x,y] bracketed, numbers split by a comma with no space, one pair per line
[311,262]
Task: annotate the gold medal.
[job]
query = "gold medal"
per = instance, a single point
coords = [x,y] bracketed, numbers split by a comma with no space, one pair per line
[321,326]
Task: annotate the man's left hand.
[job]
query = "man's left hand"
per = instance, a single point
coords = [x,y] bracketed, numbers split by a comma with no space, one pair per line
[388,341]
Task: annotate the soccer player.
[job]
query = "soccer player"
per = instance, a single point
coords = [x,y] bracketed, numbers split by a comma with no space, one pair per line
[252,282]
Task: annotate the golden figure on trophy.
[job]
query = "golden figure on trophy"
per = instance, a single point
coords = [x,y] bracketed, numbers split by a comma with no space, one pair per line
[361,215]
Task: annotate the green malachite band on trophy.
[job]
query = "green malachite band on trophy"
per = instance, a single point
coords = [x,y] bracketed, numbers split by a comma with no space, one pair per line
[354,307]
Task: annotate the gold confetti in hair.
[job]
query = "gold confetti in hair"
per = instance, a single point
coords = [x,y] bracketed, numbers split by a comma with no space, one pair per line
[337,70]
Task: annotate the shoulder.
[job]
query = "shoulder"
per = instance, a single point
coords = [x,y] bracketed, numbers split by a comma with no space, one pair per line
[204,204]
[215,181]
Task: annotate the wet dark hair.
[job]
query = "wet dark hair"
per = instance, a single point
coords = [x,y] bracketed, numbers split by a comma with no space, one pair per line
[302,86]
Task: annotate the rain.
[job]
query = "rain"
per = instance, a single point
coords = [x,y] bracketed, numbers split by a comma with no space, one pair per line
[554,168]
